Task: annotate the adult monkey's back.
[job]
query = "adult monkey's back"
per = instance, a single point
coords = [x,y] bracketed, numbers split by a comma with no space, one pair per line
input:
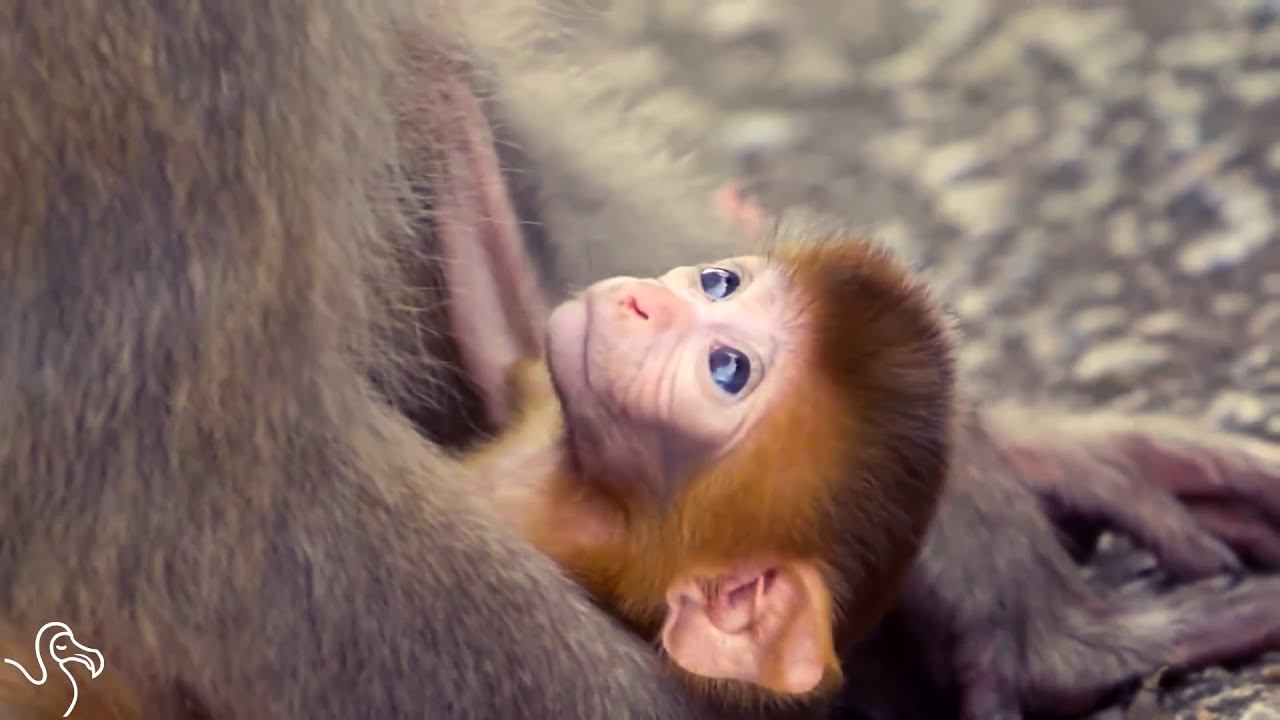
[198,477]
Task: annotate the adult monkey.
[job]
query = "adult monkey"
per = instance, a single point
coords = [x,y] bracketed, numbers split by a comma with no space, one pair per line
[203,266]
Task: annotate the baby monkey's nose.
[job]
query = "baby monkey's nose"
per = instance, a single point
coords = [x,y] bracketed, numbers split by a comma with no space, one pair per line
[652,303]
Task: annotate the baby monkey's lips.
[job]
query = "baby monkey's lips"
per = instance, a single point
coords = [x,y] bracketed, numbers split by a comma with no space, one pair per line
[568,344]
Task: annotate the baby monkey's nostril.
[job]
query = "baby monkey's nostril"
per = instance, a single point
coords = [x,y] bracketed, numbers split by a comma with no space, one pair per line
[634,306]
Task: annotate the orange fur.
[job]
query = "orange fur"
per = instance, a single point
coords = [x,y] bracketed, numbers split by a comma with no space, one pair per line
[845,474]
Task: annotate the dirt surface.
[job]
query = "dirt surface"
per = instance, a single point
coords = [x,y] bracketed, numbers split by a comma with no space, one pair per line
[1090,185]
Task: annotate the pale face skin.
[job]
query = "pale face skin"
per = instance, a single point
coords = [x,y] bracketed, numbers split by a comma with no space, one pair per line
[677,367]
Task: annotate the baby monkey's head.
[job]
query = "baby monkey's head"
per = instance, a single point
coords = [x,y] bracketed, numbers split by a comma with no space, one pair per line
[774,431]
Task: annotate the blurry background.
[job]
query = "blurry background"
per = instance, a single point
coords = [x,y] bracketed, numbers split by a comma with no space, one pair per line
[1090,185]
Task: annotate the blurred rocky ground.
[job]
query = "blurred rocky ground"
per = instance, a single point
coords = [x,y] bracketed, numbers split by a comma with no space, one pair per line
[1090,184]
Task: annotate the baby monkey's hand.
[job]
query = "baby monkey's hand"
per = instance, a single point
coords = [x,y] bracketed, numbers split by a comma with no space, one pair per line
[529,386]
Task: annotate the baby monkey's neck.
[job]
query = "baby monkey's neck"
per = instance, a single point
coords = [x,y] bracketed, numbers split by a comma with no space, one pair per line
[529,472]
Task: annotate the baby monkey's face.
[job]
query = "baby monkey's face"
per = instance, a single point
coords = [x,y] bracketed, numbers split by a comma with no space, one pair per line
[658,373]
[771,434]
[660,380]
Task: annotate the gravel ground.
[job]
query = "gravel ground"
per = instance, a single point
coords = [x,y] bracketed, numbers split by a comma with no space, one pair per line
[1088,184]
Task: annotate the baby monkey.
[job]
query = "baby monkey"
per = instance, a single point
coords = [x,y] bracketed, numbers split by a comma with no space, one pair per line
[742,460]
[738,459]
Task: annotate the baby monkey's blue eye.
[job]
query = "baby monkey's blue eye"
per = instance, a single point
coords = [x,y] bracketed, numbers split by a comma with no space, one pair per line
[730,369]
[719,283]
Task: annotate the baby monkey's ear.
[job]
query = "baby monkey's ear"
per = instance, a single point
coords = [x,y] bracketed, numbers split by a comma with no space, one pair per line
[765,623]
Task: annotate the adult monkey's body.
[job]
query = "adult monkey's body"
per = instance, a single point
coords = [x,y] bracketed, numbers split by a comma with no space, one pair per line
[202,267]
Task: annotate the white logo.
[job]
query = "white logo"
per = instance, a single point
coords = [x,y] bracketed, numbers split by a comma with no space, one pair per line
[60,638]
